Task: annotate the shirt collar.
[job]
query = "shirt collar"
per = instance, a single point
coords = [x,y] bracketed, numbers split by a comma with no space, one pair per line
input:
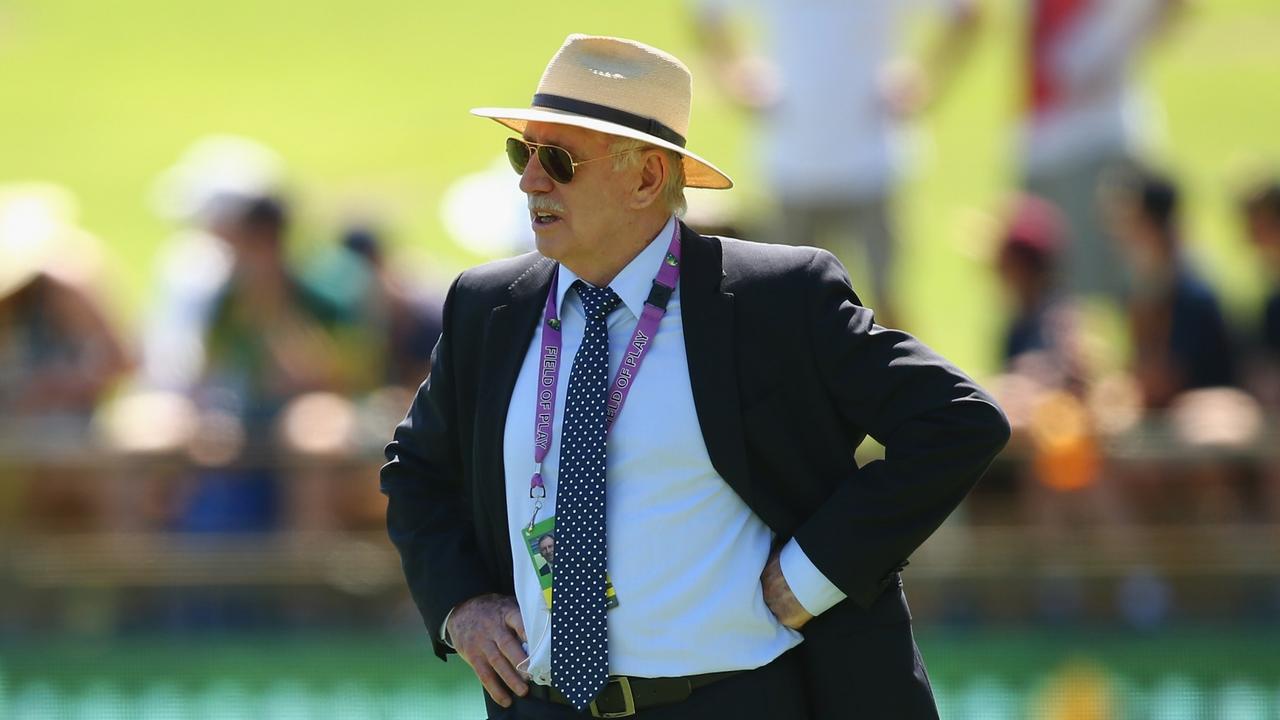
[633,283]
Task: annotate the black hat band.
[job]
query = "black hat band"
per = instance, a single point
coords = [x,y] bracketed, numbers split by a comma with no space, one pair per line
[608,114]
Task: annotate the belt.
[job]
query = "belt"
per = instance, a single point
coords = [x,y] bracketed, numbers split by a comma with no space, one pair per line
[624,696]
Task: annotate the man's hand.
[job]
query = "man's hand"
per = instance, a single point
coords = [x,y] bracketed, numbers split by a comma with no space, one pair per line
[778,595]
[487,631]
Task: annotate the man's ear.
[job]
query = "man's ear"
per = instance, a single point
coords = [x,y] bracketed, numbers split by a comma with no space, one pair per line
[653,175]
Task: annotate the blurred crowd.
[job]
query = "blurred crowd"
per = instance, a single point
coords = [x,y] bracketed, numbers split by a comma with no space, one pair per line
[1136,399]
[247,364]
[262,385]
[1114,328]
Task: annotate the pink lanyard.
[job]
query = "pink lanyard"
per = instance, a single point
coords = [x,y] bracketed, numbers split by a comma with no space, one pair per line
[655,306]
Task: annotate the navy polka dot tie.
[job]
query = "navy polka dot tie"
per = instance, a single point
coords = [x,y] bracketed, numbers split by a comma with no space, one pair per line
[579,637]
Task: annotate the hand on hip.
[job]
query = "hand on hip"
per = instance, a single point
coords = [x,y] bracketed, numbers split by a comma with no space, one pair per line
[778,596]
[487,632]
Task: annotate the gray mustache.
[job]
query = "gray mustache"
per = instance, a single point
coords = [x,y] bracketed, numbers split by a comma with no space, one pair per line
[546,204]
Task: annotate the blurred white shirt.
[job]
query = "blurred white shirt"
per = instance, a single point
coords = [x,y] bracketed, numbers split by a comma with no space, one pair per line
[832,134]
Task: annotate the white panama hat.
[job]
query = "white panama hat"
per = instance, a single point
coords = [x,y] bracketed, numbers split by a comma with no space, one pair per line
[620,87]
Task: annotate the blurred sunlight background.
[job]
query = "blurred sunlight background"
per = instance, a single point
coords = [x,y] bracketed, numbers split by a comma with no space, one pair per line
[226,229]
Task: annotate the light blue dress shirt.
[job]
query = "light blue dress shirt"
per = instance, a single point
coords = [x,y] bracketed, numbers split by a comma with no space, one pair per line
[685,552]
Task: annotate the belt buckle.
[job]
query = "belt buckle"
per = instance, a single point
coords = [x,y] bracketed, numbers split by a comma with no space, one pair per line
[628,700]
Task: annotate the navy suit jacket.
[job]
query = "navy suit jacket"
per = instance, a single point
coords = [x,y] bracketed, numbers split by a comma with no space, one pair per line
[789,374]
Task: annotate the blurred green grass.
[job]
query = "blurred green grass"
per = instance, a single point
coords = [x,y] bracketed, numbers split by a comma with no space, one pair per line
[367,102]
[977,673]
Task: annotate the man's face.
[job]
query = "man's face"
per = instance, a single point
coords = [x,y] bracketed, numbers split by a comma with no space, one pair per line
[547,548]
[584,213]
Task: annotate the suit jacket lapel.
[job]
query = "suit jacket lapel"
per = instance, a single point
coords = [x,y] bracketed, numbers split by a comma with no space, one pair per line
[506,339]
[707,313]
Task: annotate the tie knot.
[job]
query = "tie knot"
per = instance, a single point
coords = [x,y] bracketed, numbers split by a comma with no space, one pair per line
[598,302]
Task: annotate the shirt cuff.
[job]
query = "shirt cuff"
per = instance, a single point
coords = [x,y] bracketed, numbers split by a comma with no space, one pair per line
[814,591]
[444,630]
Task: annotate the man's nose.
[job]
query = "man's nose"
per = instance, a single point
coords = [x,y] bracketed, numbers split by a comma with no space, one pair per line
[534,179]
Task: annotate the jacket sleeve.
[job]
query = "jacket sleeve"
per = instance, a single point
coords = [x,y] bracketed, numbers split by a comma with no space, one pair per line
[939,429]
[429,514]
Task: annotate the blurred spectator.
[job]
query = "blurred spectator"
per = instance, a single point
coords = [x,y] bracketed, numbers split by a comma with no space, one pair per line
[59,356]
[1066,405]
[1261,210]
[1027,265]
[233,337]
[406,318]
[1062,488]
[388,329]
[203,191]
[1083,115]
[388,324]
[1262,213]
[832,91]
[1041,353]
[1183,361]
[252,367]
[268,341]
[1180,339]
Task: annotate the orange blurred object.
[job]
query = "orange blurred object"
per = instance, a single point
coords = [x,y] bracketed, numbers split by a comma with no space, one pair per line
[1066,451]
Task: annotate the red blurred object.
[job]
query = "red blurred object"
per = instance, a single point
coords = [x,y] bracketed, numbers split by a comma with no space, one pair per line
[1035,225]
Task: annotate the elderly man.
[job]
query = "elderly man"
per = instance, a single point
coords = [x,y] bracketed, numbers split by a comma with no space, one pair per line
[719,553]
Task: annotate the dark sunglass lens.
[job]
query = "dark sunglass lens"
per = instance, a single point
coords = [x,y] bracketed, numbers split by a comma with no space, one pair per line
[517,154]
[557,163]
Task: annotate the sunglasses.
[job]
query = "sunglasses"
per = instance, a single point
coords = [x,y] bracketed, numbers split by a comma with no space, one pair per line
[555,160]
